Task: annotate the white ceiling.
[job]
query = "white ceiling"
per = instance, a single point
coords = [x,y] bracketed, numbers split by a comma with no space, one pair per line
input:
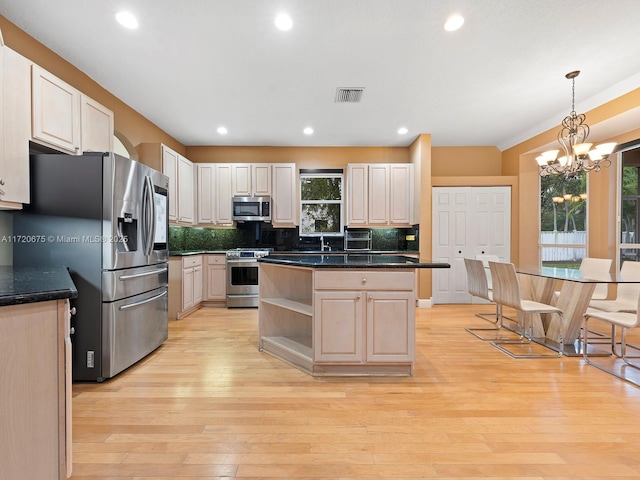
[194,65]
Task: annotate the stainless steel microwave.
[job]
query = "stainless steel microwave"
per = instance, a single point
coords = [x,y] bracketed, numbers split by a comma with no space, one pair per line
[251,209]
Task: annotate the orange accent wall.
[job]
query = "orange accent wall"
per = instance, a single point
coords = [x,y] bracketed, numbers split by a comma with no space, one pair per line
[303,157]
[468,161]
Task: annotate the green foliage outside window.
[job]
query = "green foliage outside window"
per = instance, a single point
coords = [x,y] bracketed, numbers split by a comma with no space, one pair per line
[570,213]
[320,204]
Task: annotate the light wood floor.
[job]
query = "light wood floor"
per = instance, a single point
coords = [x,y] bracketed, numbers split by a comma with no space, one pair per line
[208,405]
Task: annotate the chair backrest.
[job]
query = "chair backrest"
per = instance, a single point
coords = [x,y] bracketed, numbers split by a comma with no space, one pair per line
[629,291]
[477,284]
[597,269]
[506,287]
[486,258]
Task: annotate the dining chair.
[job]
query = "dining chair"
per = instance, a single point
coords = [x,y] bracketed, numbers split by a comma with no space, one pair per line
[624,320]
[624,301]
[507,293]
[478,286]
[627,293]
[597,269]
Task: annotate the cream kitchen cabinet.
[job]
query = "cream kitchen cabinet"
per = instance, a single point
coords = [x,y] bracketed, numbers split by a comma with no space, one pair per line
[216,278]
[191,284]
[364,316]
[96,126]
[186,190]
[213,193]
[206,192]
[251,179]
[380,195]
[65,119]
[223,192]
[35,391]
[181,179]
[15,128]
[284,197]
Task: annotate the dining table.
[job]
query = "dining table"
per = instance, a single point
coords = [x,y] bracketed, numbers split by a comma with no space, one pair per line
[569,290]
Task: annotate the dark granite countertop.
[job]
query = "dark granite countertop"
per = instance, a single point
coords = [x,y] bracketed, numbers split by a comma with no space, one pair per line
[184,253]
[34,284]
[351,260]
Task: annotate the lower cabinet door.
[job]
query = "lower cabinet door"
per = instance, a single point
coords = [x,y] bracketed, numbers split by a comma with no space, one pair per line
[337,330]
[390,326]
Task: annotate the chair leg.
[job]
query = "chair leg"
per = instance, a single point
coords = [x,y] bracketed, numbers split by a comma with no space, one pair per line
[623,356]
[525,339]
[500,327]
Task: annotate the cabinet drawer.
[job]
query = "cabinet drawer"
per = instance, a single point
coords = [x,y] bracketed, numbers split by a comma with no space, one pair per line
[364,280]
[191,261]
[216,259]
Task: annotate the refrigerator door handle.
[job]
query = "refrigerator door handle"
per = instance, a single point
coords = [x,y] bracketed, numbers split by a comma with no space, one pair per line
[145,274]
[137,304]
[149,215]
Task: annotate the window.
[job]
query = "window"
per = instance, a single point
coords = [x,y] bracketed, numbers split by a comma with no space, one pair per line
[563,210]
[630,205]
[321,197]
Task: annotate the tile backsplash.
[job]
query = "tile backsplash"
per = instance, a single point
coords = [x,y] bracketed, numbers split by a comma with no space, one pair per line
[263,235]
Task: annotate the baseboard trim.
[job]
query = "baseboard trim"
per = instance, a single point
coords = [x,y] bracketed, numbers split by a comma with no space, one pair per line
[424,303]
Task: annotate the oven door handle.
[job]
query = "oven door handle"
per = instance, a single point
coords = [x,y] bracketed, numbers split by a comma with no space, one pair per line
[142,302]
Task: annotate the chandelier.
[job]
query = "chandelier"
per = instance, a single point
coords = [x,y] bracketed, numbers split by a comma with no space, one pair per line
[578,156]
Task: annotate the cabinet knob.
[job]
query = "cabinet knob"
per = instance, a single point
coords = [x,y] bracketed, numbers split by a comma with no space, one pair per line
[364,280]
[73,311]
[72,330]
[370,297]
[1,181]
[358,297]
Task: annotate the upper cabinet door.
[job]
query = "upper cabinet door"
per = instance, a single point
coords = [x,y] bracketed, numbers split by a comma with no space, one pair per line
[241,179]
[251,179]
[223,191]
[15,128]
[378,194]
[186,190]
[206,204]
[55,111]
[357,194]
[285,196]
[170,169]
[401,194]
[97,126]
[261,179]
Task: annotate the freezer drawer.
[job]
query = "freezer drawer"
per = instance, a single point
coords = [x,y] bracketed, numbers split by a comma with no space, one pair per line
[117,284]
[132,328]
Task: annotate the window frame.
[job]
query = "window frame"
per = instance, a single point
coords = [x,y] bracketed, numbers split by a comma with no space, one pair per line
[322,173]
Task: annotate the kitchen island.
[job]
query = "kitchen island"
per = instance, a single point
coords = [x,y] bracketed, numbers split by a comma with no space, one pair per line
[340,314]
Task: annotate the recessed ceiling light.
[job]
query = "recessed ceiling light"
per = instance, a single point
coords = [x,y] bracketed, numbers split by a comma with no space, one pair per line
[127,20]
[402,130]
[284,22]
[308,130]
[222,130]
[453,23]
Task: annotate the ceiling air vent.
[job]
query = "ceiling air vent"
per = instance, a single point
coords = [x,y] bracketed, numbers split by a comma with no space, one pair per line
[349,95]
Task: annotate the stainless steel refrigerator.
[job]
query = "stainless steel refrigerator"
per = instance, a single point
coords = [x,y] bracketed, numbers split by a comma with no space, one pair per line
[105,218]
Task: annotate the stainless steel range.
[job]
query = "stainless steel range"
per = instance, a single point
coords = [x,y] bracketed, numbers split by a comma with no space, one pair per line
[242,276]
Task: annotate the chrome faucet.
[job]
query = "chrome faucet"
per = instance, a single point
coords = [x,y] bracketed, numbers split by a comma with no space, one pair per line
[324,246]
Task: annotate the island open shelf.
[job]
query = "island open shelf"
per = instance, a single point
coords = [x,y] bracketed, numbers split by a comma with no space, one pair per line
[340,314]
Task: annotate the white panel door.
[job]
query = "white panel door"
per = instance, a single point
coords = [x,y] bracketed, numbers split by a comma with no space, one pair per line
[467,221]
